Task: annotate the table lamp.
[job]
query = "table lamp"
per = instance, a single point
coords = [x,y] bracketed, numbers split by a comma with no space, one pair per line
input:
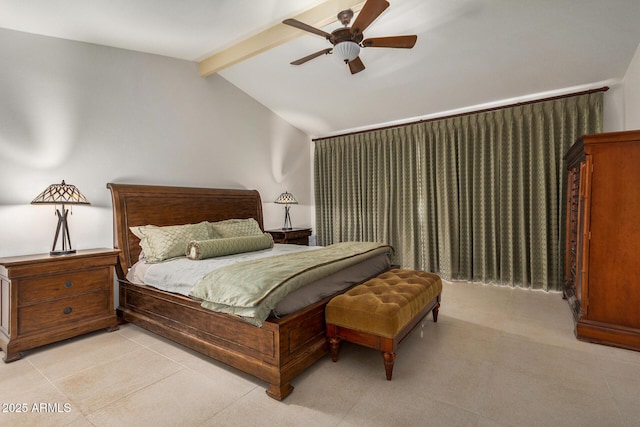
[286,199]
[61,194]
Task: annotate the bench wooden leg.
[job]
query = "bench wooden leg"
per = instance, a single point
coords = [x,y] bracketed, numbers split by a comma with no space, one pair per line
[389,358]
[435,311]
[334,343]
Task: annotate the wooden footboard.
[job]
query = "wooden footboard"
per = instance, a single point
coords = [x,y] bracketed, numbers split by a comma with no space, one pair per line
[276,353]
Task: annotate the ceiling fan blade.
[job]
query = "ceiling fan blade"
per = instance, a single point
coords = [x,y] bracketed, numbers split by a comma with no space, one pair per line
[403,42]
[302,26]
[313,55]
[356,65]
[370,11]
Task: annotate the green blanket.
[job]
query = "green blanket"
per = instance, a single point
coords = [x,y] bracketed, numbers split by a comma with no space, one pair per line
[251,289]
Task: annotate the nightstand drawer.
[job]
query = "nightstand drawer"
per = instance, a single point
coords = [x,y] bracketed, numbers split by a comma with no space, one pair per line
[52,314]
[303,241]
[56,286]
[293,236]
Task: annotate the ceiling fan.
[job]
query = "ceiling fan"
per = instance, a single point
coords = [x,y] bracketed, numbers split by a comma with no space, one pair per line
[347,41]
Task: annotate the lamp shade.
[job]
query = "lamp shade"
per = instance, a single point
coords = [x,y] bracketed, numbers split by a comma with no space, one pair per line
[286,198]
[347,51]
[61,194]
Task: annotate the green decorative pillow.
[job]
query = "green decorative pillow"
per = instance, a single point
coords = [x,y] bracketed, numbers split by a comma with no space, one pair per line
[162,243]
[203,249]
[234,228]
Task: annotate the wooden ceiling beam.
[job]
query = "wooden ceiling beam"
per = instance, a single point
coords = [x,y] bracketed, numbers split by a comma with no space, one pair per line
[319,16]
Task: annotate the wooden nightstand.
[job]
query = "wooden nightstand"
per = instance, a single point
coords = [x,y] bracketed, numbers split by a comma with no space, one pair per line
[295,236]
[44,298]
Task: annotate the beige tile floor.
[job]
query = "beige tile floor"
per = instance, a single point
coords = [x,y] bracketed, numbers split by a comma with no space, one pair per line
[496,357]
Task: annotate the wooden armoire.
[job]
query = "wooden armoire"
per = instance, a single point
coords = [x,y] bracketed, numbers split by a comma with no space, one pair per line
[602,274]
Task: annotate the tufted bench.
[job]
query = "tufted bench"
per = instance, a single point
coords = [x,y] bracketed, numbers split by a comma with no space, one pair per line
[382,311]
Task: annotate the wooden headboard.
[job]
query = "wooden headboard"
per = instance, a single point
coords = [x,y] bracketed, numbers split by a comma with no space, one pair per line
[161,205]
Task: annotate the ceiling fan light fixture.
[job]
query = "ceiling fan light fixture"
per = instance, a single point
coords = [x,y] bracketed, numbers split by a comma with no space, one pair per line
[347,41]
[346,51]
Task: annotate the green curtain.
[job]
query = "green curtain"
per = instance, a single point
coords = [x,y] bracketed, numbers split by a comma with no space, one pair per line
[477,197]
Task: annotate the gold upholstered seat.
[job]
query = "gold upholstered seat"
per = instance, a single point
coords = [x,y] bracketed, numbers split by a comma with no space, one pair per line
[380,312]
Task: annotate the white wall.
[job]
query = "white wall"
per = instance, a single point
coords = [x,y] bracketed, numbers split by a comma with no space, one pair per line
[91,114]
[613,106]
[632,93]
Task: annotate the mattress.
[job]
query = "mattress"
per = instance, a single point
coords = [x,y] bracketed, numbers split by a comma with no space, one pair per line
[179,275]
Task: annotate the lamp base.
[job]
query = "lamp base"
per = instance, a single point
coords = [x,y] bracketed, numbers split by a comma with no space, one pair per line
[66,240]
[287,219]
[64,252]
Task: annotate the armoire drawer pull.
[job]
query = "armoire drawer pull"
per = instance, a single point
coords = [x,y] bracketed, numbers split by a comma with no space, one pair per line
[68,284]
[67,310]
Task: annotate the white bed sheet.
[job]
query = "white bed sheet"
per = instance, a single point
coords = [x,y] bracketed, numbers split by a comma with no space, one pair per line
[179,275]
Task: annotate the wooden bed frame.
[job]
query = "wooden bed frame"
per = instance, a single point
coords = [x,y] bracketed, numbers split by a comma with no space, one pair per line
[276,353]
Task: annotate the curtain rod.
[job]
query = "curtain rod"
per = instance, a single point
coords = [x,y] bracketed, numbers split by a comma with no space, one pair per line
[486,110]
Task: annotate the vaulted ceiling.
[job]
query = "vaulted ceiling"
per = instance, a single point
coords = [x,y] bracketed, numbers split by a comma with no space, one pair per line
[469,53]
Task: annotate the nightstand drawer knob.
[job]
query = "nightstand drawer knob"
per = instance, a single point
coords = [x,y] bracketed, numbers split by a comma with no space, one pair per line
[68,284]
[67,310]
